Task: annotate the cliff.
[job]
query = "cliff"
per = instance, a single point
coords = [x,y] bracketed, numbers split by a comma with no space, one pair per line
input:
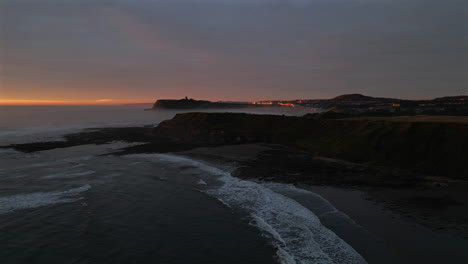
[434,148]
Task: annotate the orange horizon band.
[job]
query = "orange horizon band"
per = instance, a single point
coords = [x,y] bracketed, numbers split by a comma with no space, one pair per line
[59,102]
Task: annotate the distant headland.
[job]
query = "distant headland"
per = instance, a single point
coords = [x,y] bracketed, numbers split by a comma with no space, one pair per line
[188,103]
[354,104]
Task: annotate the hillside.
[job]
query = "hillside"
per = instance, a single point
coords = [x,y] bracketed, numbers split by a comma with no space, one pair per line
[434,148]
[361,98]
[451,98]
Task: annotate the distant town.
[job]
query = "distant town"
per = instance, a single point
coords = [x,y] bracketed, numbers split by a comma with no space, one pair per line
[350,104]
[361,104]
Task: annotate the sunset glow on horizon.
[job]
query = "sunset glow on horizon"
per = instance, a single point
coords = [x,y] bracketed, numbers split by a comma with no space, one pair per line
[234,131]
[67,102]
[223,50]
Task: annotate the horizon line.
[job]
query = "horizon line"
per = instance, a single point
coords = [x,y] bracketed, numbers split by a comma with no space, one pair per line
[29,102]
[65,102]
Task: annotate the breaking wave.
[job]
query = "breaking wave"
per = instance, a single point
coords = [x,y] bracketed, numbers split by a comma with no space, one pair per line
[38,199]
[294,230]
[69,175]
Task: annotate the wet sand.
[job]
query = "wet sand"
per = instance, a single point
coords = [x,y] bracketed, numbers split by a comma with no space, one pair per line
[390,232]
[403,239]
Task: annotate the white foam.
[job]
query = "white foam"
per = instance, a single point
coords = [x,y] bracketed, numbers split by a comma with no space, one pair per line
[178,159]
[8,151]
[297,229]
[77,165]
[38,199]
[284,257]
[201,182]
[59,161]
[223,202]
[297,232]
[260,223]
[69,175]
[326,207]
[323,209]
[289,187]
[14,154]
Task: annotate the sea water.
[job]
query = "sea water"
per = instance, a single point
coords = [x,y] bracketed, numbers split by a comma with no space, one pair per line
[74,205]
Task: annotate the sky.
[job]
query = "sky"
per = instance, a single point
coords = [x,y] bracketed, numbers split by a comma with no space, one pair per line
[112,51]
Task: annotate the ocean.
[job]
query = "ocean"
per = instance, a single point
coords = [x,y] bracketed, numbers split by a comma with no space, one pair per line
[74,205]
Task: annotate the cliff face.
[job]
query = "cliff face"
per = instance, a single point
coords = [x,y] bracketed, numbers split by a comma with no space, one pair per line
[431,148]
[222,128]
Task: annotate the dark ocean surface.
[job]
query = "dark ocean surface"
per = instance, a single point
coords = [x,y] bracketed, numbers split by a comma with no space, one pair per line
[72,205]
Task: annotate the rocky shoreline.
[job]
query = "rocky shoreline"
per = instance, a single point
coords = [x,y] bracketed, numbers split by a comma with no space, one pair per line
[432,200]
[436,203]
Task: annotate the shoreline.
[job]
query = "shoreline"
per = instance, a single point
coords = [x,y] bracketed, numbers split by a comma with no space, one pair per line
[432,211]
[434,202]
[389,234]
[403,239]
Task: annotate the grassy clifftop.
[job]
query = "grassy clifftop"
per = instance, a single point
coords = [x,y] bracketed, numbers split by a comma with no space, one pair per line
[435,148]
